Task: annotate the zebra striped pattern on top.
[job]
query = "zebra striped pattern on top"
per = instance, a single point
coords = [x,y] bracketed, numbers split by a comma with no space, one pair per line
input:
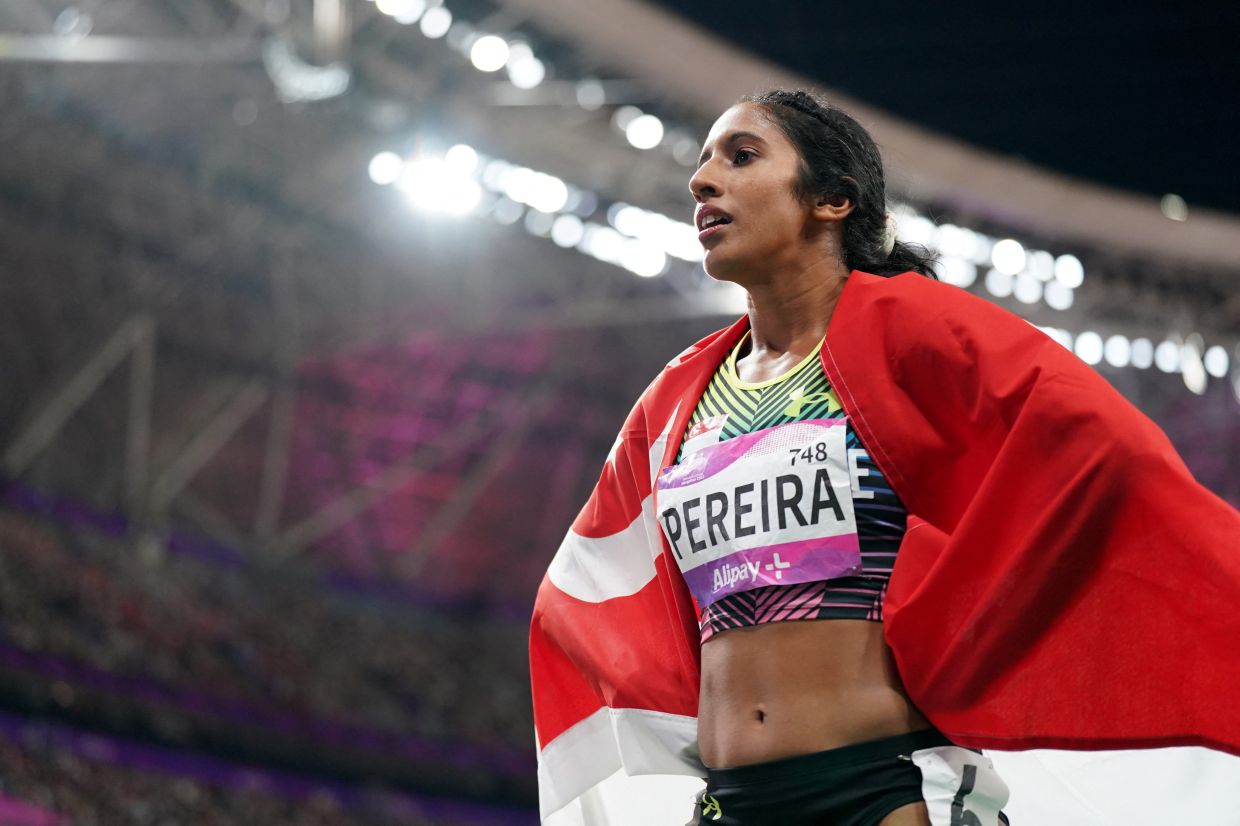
[802,394]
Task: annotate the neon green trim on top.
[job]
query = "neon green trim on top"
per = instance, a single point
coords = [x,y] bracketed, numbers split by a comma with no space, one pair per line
[734,379]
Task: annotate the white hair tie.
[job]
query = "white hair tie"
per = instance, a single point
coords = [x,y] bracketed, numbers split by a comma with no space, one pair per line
[889,234]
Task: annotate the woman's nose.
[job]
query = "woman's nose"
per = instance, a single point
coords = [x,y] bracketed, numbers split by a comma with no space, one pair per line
[703,184]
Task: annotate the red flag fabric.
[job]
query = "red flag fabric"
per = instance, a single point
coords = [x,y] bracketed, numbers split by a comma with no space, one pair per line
[1064,582]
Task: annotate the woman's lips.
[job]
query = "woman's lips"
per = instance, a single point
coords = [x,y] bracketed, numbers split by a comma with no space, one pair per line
[711,231]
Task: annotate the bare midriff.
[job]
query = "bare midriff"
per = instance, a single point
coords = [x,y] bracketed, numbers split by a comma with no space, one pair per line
[791,688]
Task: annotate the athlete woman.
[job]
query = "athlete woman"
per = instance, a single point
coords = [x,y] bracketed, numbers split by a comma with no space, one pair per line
[790,199]
[874,521]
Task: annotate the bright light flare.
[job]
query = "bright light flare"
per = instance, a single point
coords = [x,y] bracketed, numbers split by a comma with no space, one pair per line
[435,185]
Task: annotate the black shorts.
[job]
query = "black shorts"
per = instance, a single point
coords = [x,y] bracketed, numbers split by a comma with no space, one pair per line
[859,785]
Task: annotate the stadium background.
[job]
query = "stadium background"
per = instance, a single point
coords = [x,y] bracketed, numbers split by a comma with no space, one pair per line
[318,318]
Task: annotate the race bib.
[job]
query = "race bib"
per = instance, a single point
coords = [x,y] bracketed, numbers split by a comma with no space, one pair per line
[960,787]
[768,508]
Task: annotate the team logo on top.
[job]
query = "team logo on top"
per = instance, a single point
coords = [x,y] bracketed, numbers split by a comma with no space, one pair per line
[798,398]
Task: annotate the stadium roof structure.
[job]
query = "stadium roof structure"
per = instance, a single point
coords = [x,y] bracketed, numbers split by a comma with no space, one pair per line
[213,319]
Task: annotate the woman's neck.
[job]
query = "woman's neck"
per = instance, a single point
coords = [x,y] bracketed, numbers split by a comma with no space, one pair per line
[789,315]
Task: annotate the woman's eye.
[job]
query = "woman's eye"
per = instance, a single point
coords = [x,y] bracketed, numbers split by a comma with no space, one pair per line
[742,156]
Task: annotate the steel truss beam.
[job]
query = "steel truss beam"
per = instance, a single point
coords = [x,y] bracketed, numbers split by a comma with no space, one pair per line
[444,521]
[109,49]
[44,421]
[423,458]
[206,443]
[280,428]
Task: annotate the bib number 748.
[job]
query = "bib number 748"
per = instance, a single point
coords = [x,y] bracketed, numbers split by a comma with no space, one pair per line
[812,453]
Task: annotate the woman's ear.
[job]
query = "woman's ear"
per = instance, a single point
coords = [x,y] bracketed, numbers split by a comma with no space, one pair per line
[835,207]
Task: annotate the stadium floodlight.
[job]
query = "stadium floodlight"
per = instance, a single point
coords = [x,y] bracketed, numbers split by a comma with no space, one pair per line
[539,223]
[489,53]
[434,185]
[1215,361]
[604,243]
[386,168]
[526,73]
[998,283]
[958,241]
[436,22]
[567,231]
[958,271]
[463,158]
[1142,356]
[1191,369]
[1167,356]
[549,193]
[1088,347]
[1061,336]
[507,211]
[1027,288]
[1117,351]
[582,202]
[625,115]
[1041,265]
[642,259]
[680,240]
[657,231]
[915,229]
[1008,256]
[1069,272]
[590,94]
[405,12]
[628,219]
[1057,296]
[644,131]
[544,192]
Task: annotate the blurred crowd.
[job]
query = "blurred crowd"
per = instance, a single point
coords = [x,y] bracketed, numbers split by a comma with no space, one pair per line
[97,794]
[277,644]
[75,791]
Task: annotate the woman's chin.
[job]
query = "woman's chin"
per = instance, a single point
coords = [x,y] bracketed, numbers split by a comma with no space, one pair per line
[721,266]
[729,268]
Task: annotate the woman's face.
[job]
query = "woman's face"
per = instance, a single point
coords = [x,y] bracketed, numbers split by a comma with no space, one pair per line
[746,180]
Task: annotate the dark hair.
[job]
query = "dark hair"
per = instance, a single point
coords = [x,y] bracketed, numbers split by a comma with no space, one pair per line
[838,157]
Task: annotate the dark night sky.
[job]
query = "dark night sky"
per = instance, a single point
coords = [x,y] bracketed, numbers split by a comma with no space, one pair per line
[1134,96]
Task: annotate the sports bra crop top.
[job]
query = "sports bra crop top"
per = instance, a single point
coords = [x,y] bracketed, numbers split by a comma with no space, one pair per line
[795,492]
